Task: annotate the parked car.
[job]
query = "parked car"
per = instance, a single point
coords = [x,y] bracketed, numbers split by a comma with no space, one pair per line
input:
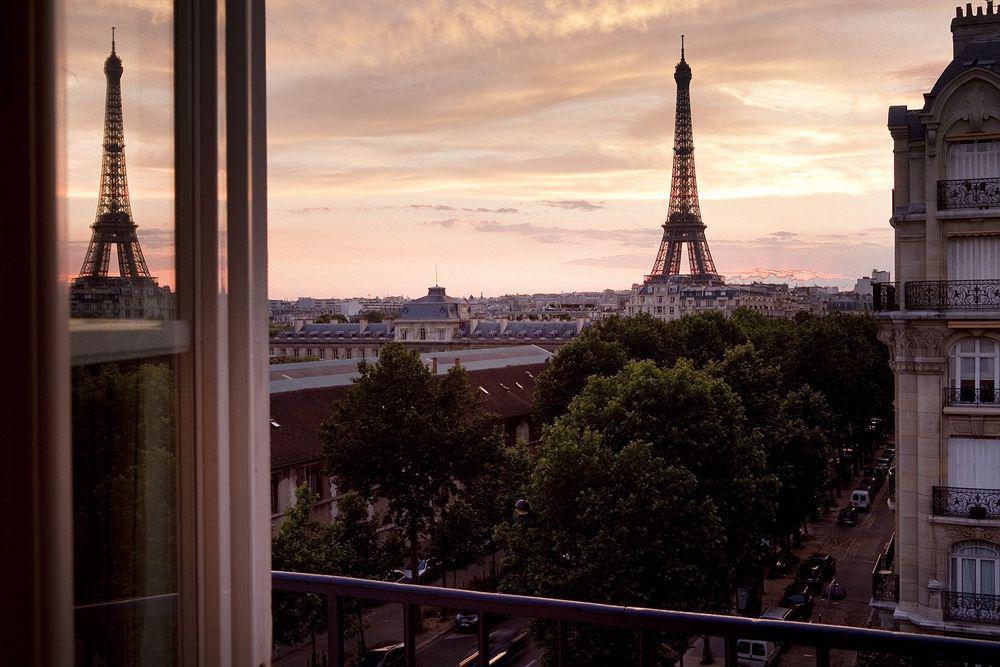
[505,647]
[825,561]
[811,575]
[777,614]
[889,453]
[390,655]
[756,653]
[780,564]
[403,575]
[466,621]
[848,516]
[799,599]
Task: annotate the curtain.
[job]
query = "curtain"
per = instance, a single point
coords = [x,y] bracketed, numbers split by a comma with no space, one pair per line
[974,159]
[974,463]
[974,257]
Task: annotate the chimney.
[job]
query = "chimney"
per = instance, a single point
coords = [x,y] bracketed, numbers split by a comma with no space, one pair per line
[434,365]
[458,363]
[967,26]
[297,324]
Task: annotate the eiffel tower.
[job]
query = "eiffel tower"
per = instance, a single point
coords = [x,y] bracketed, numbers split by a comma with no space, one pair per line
[683,225]
[134,293]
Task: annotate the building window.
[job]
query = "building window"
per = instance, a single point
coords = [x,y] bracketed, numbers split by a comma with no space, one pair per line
[402,334]
[423,334]
[440,334]
[315,479]
[275,483]
[975,567]
[974,159]
[348,353]
[975,364]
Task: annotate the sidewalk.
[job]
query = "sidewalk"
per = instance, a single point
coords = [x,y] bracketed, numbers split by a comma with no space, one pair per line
[384,624]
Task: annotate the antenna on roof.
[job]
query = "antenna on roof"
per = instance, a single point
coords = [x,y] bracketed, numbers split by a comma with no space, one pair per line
[436,274]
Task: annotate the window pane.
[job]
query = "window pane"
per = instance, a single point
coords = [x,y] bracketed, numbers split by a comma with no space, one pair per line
[987,577]
[119,261]
[968,584]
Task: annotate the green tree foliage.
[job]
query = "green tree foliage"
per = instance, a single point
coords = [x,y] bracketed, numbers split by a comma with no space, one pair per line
[568,372]
[326,318]
[282,359]
[124,472]
[410,438]
[372,316]
[273,328]
[349,545]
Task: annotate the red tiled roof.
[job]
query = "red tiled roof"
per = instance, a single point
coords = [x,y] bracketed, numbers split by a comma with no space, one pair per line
[299,414]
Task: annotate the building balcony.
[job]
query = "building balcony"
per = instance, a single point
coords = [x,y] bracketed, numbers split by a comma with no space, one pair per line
[987,396]
[966,503]
[973,193]
[938,296]
[885,582]
[650,626]
[971,607]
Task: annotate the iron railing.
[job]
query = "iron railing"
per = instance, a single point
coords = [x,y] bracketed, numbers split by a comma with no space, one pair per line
[964,502]
[972,607]
[952,295]
[971,396]
[968,193]
[885,582]
[885,297]
[646,622]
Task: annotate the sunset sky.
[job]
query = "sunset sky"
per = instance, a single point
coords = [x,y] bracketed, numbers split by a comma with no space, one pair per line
[526,146]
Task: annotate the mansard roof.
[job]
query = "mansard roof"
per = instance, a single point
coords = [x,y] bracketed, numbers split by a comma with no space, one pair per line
[436,305]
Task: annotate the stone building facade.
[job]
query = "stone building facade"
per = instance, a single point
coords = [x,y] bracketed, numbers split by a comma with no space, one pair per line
[941,322]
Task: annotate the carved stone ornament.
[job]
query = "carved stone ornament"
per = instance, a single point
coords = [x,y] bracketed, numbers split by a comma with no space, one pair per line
[962,533]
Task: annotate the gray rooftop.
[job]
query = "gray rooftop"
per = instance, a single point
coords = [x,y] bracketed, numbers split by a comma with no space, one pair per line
[339,372]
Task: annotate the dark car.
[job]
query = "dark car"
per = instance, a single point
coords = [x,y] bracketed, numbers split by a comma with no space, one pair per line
[834,591]
[890,453]
[826,561]
[874,484]
[811,575]
[848,516]
[799,599]
[392,655]
[466,621]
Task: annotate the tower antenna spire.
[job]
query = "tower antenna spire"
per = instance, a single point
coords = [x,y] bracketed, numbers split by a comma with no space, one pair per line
[682,47]
[113,40]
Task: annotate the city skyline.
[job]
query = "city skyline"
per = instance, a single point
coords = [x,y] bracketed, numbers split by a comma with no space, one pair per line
[530,149]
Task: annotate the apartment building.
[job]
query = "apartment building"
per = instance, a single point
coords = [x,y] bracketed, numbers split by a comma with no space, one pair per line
[941,321]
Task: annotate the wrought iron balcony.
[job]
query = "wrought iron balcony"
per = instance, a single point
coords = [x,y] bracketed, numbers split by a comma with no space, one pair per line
[943,295]
[971,396]
[966,503]
[885,297]
[971,607]
[647,623]
[885,582]
[968,193]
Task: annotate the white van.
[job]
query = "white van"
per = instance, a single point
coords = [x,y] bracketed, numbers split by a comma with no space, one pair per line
[756,653]
[861,499]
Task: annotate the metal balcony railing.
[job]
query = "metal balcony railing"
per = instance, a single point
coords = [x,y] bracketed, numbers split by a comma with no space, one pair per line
[966,503]
[943,295]
[645,622]
[885,582]
[885,297]
[971,396]
[971,607]
[968,193]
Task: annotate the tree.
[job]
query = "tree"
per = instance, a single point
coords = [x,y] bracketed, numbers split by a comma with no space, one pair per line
[568,372]
[613,526]
[326,318]
[410,438]
[372,316]
[350,545]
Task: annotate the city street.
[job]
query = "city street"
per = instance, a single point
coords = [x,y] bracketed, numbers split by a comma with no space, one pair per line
[855,549]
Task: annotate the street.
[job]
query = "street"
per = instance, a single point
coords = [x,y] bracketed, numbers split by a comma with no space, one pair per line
[855,549]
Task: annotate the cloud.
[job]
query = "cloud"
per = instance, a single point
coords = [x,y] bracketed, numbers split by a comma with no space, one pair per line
[447,223]
[613,261]
[445,207]
[795,275]
[311,209]
[573,204]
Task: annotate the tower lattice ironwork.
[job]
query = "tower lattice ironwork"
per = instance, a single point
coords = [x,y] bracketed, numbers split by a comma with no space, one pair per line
[683,225]
[113,225]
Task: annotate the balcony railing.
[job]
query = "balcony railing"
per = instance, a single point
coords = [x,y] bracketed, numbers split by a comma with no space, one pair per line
[646,622]
[971,396]
[968,193]
[964,502]
[952,295]
[885,582]
[971,607]
[885,297]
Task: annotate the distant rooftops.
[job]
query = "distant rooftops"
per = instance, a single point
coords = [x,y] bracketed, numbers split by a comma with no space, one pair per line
[340,372]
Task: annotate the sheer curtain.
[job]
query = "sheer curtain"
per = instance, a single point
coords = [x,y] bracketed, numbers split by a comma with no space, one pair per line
[974,257]
[974,463]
